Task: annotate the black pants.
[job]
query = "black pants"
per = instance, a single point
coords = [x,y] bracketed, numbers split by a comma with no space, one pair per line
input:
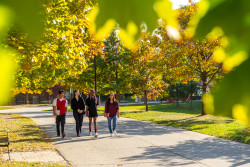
[60,119]
[79,118]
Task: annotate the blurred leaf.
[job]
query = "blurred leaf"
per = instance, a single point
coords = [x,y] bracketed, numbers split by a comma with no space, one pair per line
[7,67]
[232,94]
[130,15]
[26,13]
[234,24]
[125,11]
[232,91]
[5,19]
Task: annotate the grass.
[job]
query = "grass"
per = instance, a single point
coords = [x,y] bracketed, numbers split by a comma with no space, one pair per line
[69,109]
[30,105]
[5,108]
[24,134]
[29,164]
[183,117]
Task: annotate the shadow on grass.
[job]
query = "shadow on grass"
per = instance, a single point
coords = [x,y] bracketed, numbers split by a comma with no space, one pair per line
[30,134]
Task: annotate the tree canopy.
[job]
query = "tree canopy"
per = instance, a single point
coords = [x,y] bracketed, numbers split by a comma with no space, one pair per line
[153,42]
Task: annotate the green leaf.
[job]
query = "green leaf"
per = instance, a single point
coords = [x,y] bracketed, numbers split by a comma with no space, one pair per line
[125,11]
[130,15]
[235,24]
[232,91]
[232,94]
[5,20]
[26,14]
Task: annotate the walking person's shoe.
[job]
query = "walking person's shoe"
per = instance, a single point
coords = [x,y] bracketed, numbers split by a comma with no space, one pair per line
[90,133]
[63,135]
[78,135]
[96,134]
[111,134]
[58,134]
[115,133]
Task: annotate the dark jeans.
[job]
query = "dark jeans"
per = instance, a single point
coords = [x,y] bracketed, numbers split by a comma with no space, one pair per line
[79,118]
[60,119]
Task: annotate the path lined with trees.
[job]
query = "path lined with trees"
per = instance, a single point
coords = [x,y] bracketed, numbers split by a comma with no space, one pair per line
[139,144]
[65,57]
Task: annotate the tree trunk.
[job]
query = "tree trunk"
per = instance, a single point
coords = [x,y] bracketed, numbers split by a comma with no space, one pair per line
[191,93]
[204,90]
[27,98]
[191,103]
[177,94]
[146,99]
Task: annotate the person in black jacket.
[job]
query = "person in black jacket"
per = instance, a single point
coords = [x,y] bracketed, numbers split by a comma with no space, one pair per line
[78,107]
[91,108]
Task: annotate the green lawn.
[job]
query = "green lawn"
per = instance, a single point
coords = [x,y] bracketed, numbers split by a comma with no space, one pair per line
[29,105]
[29,164]
[5,108]
[69,109]
[24,136]
[183,117]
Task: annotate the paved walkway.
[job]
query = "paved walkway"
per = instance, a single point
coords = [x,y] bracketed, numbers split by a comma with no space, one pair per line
[38,156]
[140,144]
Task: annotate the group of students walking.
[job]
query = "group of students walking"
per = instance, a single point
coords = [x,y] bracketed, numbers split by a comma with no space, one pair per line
[60,108]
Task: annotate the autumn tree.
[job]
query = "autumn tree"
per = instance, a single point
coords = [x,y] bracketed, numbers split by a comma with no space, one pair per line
[145,68]
[200,62]
[191,58]
[60,54]
[198,52]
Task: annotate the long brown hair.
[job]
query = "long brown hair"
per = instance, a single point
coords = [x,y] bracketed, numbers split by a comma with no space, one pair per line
[75,93]
[114,100]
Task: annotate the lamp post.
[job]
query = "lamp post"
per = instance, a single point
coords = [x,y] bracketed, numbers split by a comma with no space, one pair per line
[95,70]
[191,105]
[71,92]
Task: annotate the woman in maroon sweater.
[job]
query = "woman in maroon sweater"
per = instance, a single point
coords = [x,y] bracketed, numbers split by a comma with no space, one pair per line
[112,112]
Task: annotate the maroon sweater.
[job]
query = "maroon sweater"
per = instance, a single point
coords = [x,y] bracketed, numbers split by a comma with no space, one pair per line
[111,109]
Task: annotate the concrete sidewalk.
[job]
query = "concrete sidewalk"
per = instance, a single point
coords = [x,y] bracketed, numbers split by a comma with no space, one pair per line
[140,144]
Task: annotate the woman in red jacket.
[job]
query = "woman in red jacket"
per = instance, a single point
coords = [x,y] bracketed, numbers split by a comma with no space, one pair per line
[112,113]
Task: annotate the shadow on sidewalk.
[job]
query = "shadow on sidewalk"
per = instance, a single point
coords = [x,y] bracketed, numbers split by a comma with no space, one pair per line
[237,154]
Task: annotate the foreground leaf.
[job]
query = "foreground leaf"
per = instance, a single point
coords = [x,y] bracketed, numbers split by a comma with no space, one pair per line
[232,94]
[130,15]
[26,14]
